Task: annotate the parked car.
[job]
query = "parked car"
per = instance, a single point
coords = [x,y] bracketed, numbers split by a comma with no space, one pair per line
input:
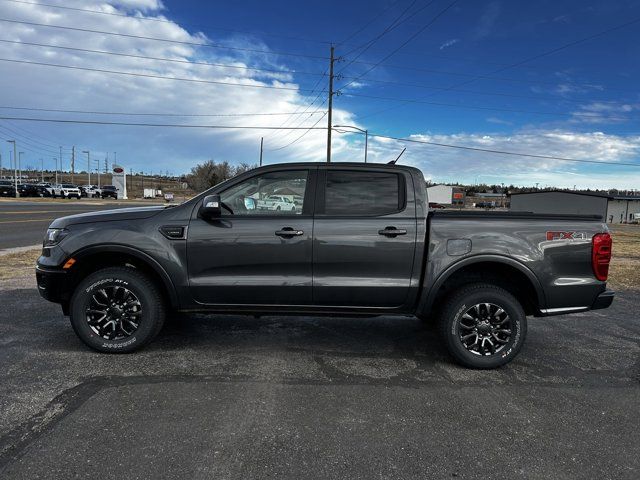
[7,188]
[90,191]
[44,189]
[109,191]
[66,190]
[436,205]
[487,205]
[28,190]
[277,203]
[363,242]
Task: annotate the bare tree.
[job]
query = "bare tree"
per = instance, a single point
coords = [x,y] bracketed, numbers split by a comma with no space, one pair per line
[206,175]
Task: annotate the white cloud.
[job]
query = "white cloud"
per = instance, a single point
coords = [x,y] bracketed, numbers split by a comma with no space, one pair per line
[487,20]
[449,43]
[447,164]
[605,112]
[173,149]
[179,149]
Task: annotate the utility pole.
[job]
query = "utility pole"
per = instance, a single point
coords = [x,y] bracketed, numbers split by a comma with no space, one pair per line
[15,165]
[1,169]
[73,162]
[329,122]
[88,166]
[261,143]
[56,160]
[20,165]
[42,169]
[61,158]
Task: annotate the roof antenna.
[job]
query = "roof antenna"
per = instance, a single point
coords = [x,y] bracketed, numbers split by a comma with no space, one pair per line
[393,162]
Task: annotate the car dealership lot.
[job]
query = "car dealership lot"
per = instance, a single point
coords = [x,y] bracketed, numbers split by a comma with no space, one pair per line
[299,397]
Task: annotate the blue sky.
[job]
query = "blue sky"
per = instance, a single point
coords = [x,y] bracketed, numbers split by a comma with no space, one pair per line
[457,73]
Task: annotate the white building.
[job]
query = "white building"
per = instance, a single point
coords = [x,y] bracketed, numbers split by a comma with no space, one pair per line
[445,195]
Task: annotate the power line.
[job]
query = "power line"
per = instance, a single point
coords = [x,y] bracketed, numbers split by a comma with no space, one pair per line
[176,125]
[286,120]
[24,145]
[312,127]
[388,137]
[477,92]
[488,77]
[167,40]
[149,75]
[529,59]
[392,26]
[162,20]
[28,138]
[161,59]
[500,152]
[361,29]
[406,42]
[146,114]
[476,107]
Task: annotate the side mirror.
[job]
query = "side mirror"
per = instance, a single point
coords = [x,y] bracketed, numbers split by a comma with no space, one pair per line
[211,206]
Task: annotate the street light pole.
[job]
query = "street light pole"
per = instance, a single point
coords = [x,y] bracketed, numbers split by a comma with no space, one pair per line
[55,159]
[361,130]
[88,166]
[15,165]
[20,165]
[98,170]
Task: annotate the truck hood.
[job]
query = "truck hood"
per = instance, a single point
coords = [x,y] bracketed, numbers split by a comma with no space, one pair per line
[119,214]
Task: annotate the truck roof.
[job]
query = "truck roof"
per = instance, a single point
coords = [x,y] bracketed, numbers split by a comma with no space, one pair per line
[355,165]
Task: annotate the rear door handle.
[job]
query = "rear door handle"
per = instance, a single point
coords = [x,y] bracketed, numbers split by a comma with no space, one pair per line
[392,232]
[288,232]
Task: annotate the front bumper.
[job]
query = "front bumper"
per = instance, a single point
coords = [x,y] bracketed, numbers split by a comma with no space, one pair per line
[53,284]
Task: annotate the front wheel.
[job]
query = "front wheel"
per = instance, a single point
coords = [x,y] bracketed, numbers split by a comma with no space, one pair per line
[117,310]
[483,326]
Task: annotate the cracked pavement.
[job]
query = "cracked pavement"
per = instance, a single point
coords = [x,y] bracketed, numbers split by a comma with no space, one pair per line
[304,397]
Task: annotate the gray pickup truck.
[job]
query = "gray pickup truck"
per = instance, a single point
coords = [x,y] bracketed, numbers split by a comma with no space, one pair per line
[358,240]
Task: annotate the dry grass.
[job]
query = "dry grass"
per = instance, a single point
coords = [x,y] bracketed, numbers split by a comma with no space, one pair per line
[625,264]
[19,264]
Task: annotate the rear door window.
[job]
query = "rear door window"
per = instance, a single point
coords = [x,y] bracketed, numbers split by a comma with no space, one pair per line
[352,193]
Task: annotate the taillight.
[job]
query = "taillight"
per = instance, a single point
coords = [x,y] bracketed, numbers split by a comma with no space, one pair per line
[601,255]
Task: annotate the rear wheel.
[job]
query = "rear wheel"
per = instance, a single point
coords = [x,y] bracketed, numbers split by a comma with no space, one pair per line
[117,310]
[483,326]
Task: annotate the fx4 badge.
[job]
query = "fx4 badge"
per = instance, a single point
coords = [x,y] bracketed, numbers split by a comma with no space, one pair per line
[566,236]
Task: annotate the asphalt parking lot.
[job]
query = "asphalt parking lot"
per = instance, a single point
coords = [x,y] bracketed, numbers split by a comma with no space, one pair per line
[24,222]
[296,397]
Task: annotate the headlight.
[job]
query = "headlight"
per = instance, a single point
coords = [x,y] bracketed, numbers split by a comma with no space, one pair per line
[54,236]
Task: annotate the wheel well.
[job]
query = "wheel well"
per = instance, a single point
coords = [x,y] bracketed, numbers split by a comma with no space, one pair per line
[88,264]
[496,273]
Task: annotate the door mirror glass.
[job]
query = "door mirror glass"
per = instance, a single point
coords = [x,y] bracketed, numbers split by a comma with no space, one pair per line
[211,206]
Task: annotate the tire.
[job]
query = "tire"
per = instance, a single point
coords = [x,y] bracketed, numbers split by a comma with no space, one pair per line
[475,309]
[115,282]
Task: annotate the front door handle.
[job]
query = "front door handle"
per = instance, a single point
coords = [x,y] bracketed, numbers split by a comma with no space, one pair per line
[288,232]
[392,232]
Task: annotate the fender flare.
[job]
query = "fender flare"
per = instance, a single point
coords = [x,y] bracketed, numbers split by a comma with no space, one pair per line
[140,255]
[428,299]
